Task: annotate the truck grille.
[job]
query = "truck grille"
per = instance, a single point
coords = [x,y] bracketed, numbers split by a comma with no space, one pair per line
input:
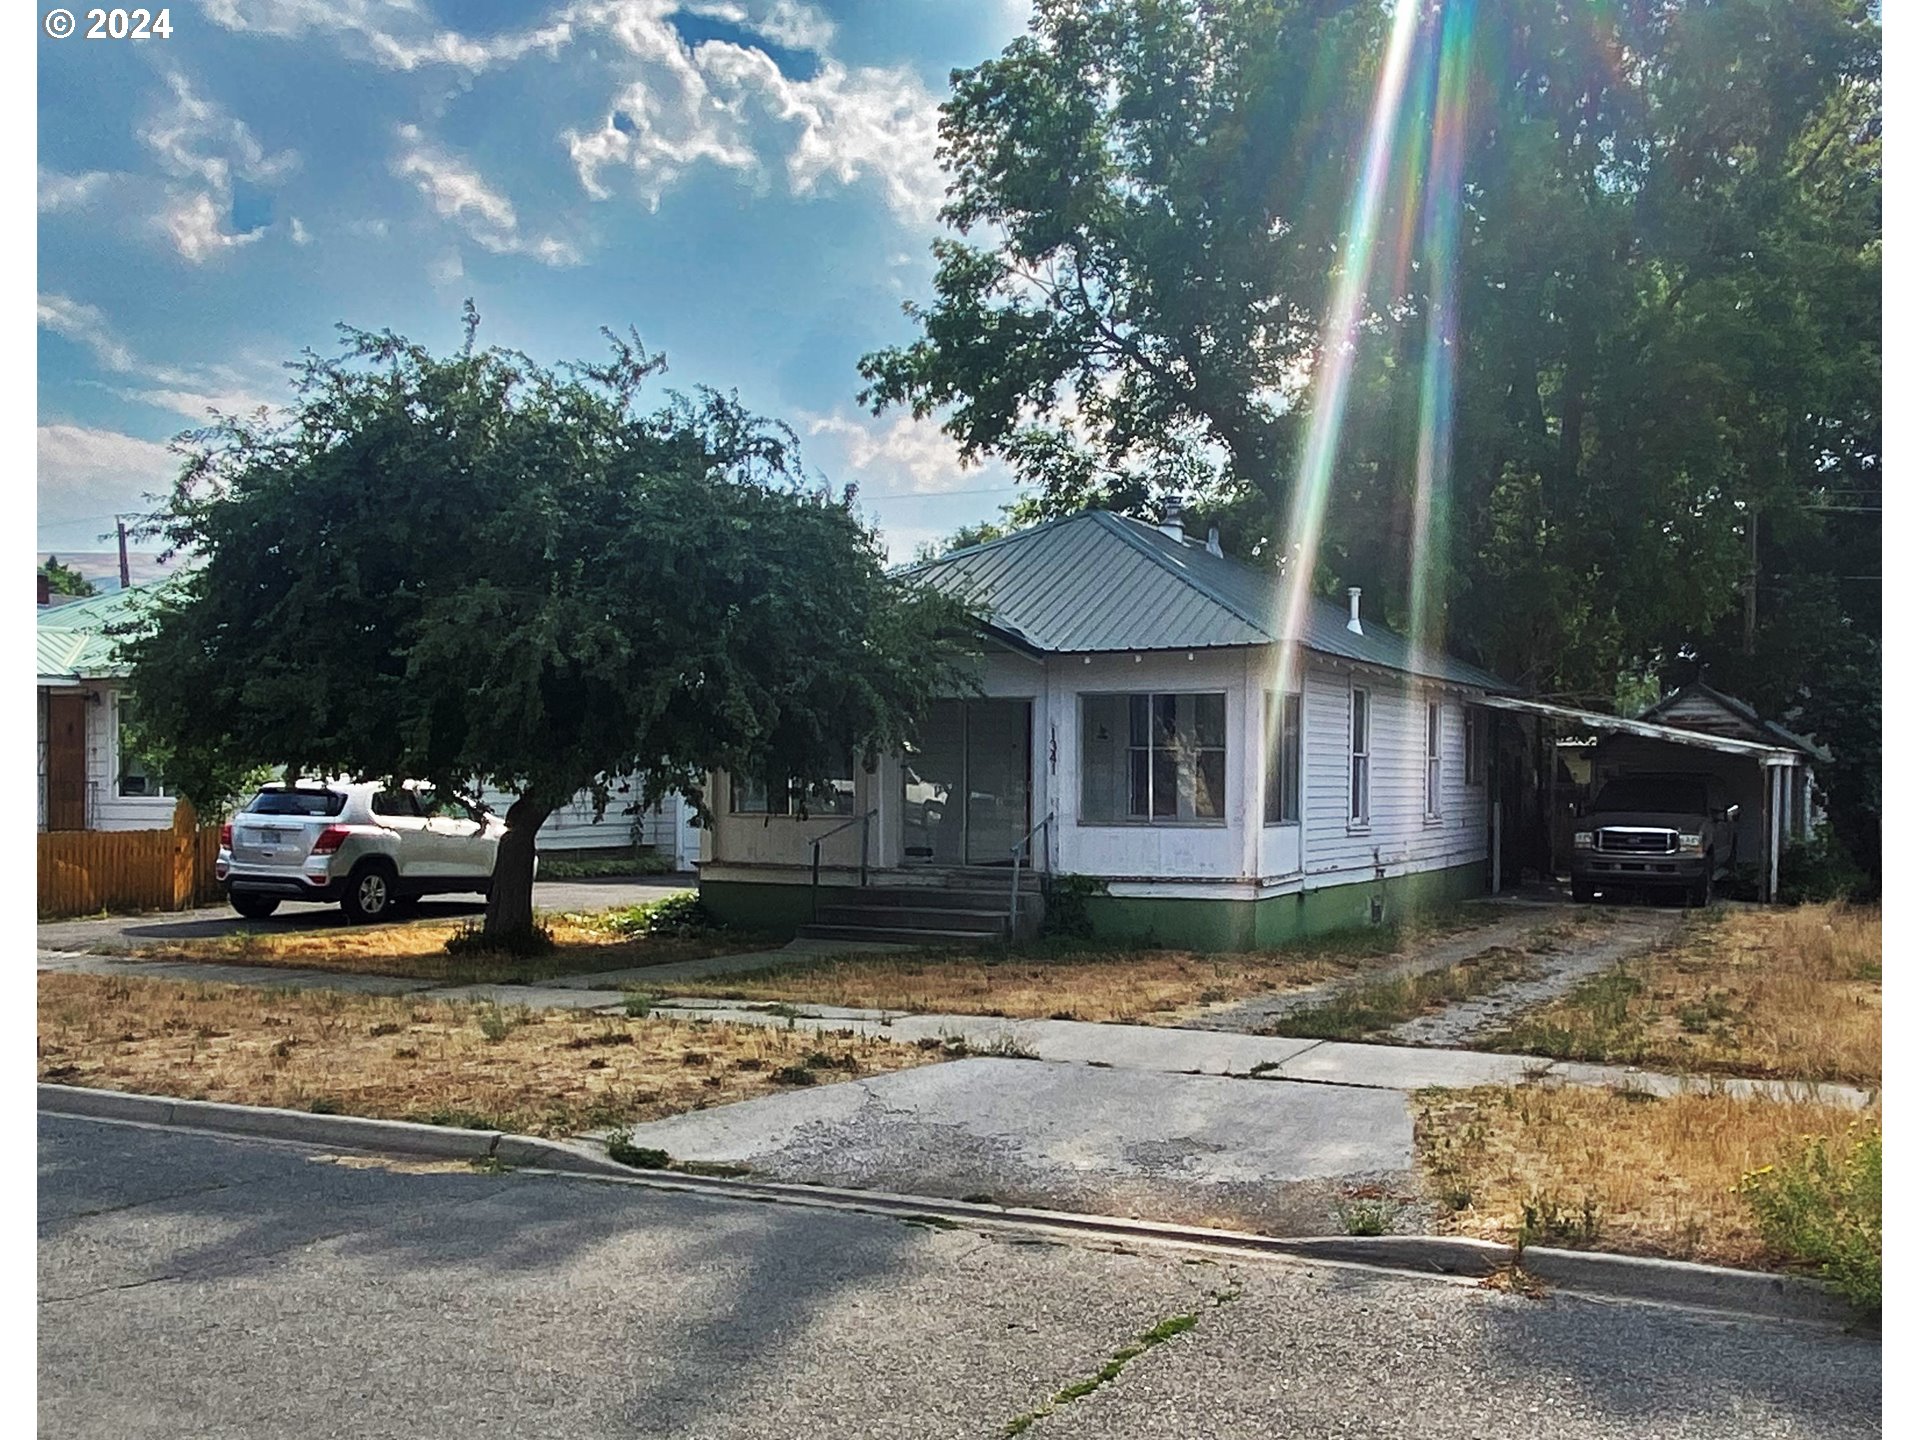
[1637,840]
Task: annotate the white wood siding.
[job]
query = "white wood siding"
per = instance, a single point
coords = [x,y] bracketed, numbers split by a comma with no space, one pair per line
[1398,827]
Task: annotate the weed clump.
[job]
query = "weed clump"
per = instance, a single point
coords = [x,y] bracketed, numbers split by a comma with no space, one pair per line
[1821,1208]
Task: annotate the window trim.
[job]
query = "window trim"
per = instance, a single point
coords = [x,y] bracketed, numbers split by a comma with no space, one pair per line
[1359,757]
[1276,755]
[1434,746]
[1182,774]
[162,790]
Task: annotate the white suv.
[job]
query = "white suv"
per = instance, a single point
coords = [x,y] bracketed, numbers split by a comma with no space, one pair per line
[374,848]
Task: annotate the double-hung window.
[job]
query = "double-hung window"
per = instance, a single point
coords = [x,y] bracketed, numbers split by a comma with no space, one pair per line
[1153,758]
[1357,777]
[754,796]
[1433,759]
[1283,760]
[138,776]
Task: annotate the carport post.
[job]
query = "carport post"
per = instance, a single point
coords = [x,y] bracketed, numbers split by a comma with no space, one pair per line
[1776,791]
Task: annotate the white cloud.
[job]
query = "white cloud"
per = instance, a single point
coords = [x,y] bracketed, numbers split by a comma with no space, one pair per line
[195,140]
[887,451]
[68,192]
[86,473]
[395,34]
[298,232]
[193,222]
[787,23]
[189,392]
[445,269]
[86,326]
[459,193]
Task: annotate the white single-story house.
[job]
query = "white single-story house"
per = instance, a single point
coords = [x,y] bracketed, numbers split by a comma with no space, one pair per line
[92,776]
[1129,728]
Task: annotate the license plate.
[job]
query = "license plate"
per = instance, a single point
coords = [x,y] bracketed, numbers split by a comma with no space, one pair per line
[269,837]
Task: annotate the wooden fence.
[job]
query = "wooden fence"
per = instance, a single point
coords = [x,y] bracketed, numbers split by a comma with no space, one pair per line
[84,871]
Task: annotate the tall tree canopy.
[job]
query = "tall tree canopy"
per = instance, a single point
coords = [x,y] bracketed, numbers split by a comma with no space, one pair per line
[1652,265]
[471,568]
[65,580]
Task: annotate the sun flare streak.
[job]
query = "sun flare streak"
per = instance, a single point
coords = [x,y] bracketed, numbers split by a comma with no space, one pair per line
[1339,339]
[1433,462]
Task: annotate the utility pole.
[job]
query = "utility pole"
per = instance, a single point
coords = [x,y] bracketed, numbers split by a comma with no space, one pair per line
[126,575]
[1753,578]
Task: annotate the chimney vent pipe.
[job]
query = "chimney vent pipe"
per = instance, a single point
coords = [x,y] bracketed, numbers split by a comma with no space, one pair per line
[1353,612]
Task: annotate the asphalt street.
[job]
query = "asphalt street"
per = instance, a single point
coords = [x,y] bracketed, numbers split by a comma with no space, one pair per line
[193,1286]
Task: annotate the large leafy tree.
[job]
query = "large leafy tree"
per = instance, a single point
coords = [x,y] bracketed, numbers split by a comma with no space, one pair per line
[472,568]
[65,580]
[1657,275]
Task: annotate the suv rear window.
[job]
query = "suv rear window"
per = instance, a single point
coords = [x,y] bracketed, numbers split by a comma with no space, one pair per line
[297,802]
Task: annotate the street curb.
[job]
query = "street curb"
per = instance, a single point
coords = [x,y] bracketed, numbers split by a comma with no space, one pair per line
[406,1137]
[1617,1277]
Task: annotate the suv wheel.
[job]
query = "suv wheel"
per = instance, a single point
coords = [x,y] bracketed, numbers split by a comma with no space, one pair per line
[369,895]
[254,907]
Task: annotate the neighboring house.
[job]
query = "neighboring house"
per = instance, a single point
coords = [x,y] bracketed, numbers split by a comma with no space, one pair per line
[1699,708]
[92,776]
[1129,706]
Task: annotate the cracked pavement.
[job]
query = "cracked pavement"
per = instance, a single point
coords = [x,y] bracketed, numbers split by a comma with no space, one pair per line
[202,1287]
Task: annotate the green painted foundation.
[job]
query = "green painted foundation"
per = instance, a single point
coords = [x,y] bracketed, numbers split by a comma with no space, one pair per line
[1228,925]
[1218,925]
[766,906]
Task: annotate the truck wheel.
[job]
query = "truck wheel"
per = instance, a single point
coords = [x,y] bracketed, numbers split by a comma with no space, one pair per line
[254,907]
[1701,895]
[369,896]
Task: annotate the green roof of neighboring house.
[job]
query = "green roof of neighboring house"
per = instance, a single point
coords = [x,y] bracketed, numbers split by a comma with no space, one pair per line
[72,639]
[1100,582]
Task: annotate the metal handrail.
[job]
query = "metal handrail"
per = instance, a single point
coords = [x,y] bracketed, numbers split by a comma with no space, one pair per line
[865,822]
[1013,895]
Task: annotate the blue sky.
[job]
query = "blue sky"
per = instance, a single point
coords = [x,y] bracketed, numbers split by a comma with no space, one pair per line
[749,183]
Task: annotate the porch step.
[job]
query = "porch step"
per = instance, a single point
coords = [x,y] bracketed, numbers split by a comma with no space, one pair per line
[899,936]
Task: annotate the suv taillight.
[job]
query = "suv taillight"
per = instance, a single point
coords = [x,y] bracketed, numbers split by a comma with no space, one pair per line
[330,839]
[226,836]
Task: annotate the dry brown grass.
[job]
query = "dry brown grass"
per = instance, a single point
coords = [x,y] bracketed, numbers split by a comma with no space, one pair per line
[549,1073]
[581,946]
[1080,981]
[1610,1170]
[1084,985]
[1775,993]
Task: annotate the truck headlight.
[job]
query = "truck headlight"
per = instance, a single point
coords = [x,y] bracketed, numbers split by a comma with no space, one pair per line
[1689,844]
[1583,839]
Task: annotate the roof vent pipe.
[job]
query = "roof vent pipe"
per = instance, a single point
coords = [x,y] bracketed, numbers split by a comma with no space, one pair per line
[1353,615]
[1213,542]
[1171,526]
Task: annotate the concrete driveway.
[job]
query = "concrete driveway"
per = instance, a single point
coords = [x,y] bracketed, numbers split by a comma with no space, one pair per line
[1193,1149]
[195,1287]
[120,933]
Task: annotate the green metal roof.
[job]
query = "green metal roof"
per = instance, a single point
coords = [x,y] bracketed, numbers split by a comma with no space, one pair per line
[1099,582]
[72,641]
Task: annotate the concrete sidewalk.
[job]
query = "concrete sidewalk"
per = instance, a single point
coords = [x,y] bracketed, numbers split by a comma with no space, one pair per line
[1197,1052]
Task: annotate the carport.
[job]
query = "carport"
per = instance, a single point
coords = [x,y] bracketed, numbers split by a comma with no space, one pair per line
[1781,776]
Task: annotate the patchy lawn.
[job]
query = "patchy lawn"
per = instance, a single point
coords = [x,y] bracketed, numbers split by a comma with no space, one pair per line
[583,944]
[1365,1011]
[1073,980]
[511,1068]
[1600,1169]
[1791,994]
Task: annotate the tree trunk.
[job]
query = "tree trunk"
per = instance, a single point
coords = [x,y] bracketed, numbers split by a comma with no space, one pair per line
[510,902]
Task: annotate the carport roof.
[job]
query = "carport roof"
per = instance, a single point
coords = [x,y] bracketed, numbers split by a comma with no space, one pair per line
[1647,730]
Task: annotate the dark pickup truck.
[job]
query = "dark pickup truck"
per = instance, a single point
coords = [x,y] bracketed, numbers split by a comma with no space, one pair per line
[1654,832]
